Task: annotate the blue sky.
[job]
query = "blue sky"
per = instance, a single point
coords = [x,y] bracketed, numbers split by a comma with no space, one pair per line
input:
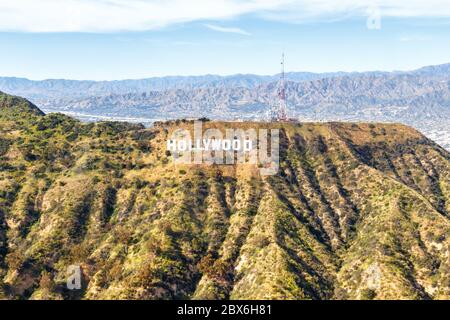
[244,40]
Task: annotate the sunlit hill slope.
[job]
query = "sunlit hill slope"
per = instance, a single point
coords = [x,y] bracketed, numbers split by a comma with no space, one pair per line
[356,211]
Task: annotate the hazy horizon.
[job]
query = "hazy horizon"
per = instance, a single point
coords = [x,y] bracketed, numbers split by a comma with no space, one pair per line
[228,75]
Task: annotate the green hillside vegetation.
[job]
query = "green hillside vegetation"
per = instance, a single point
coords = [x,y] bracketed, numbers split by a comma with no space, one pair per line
[356,211]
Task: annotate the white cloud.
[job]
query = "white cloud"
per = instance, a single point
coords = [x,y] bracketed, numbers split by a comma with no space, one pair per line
[306,10]
[133,15]
[415,38]
[227,30]
[118,15]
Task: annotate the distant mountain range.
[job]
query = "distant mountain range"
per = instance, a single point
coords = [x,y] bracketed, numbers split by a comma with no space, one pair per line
[61,88]
[420,98]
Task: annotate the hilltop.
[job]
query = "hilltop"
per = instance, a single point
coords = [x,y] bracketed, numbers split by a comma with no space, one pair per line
[13,105]
[356,211]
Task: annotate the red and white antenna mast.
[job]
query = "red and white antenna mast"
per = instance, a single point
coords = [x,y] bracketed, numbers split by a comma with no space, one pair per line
[282,108]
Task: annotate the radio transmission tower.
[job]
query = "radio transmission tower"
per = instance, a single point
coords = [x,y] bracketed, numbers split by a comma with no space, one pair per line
[282,107]
[279,112]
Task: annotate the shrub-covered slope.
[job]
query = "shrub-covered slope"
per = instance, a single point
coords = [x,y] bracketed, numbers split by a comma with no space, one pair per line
[357,211]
